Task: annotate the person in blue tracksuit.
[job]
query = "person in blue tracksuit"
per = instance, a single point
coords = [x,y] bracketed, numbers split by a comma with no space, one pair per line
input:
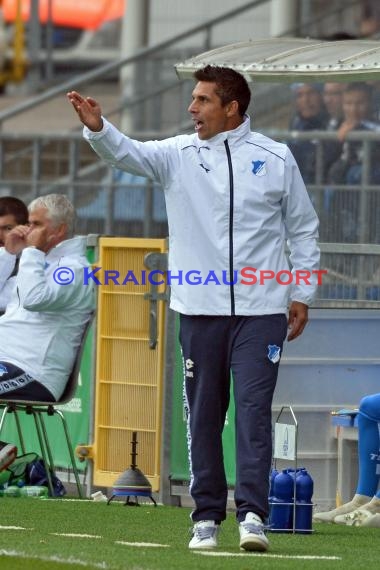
[364,507]
[234,199]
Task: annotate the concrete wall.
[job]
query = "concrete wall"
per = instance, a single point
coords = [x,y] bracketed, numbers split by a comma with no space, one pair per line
[169,17]
[331,366]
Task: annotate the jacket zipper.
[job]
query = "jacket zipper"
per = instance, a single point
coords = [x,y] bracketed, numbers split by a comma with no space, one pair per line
[231,233]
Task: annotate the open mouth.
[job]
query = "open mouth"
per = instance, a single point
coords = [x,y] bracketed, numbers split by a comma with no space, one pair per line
[198,125]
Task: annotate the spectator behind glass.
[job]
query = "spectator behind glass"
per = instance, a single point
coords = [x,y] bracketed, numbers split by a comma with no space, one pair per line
[370,19]
[13,212]
[332,99]
[310,114]
[357,116]
[348,168]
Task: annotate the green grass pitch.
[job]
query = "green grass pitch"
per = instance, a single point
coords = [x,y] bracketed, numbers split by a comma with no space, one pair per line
[72,534]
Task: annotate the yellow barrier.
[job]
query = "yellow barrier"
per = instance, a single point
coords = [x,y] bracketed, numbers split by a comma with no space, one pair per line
[129,371]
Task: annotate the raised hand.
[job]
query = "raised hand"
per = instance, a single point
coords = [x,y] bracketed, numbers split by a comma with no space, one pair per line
[88,110]
[16,240]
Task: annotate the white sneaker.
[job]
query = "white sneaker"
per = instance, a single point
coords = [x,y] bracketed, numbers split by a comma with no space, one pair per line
[372,521]
[205,535]
[252,535]
[356,518]
[332,516]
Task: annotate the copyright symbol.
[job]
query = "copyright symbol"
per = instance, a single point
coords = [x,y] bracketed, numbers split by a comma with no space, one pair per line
[63,275]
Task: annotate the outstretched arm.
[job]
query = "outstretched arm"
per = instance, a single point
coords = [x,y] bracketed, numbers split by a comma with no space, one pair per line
[88,110]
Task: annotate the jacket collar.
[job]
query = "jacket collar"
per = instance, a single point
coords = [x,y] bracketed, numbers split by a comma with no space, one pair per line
[72,246]
[232,136]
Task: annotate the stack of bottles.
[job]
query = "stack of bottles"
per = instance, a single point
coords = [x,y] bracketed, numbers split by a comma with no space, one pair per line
[291,509]
[22,490]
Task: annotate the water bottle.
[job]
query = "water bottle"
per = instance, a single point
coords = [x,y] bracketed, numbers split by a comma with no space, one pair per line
[34,491]
[12,491]
[272,476]
[281,513]
[304,506]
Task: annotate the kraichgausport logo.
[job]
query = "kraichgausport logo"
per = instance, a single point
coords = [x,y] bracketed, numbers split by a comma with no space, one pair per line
[248,276]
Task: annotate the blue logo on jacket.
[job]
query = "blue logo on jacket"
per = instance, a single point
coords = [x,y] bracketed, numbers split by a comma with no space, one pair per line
[258,167]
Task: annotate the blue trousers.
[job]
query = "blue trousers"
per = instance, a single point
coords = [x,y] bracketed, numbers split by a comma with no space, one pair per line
[369,445]
[250,348]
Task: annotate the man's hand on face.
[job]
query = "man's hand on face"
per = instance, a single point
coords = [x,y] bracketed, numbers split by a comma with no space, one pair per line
[38,237]
[16,239]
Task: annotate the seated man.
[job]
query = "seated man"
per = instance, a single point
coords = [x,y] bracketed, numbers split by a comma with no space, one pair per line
[13,212]
[49,307]
[364,508]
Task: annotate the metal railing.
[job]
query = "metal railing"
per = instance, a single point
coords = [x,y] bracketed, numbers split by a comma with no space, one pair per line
[158,54]
[112,202]
[104,70]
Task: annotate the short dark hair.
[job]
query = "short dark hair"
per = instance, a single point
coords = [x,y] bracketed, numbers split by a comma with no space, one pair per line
[359,86]
[230,85]
[10,206]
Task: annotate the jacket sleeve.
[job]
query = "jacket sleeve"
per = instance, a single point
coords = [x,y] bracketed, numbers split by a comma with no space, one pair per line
[153,159]
[301,226]
[7,265]
[41,289]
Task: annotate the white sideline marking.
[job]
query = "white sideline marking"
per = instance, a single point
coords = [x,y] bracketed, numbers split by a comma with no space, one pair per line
[14,528]
[150,544]
[76,535]
[59,559]
[262,555]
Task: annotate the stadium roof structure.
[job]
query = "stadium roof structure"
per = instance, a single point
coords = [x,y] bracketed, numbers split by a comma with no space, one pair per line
[293,59]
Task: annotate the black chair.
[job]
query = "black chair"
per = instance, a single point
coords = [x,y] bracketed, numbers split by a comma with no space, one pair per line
[37,409]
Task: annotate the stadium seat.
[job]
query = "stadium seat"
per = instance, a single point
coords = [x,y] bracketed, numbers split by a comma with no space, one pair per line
[37,409]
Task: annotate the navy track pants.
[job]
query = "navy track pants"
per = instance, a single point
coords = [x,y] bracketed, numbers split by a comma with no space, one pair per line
[212,348]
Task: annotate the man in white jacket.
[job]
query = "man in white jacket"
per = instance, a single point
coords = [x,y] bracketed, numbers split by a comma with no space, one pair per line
[233,198]
[49,307]
[13,212]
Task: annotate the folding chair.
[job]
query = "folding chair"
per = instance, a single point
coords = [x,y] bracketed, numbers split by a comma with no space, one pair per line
[38,408]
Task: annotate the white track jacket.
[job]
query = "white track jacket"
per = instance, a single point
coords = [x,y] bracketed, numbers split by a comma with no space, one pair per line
[233,202]
[43,324]
[7,283]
